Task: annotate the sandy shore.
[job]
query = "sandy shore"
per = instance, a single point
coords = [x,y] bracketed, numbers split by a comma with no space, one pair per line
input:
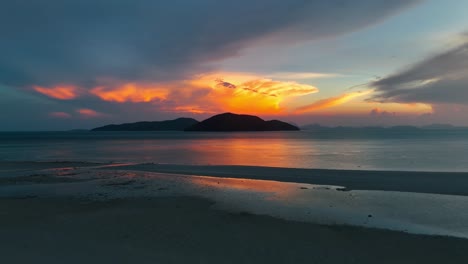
[187,230]
[95,214]
[453,183]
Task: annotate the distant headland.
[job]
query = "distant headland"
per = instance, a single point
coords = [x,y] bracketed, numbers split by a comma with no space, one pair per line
[178,124]
[227,122]
[234,122]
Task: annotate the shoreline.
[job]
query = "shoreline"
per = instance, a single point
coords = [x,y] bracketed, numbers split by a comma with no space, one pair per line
[121,213]
[414,212]
[189,230]
[450,183]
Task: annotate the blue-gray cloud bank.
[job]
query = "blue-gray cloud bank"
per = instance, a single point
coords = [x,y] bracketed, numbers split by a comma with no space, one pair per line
[67,41]
[441,79]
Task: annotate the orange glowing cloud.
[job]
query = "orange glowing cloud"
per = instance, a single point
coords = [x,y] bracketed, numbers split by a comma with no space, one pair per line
[190,109]
[301,75]
[256,96]
[331,102]
[212,93]
[65,92]
[234,92]
[131,92]
[277,88]
[88,113]
[59,115]
[248,93]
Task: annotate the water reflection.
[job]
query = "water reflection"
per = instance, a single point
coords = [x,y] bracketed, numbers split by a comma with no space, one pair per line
[269,189]
[413,212]
[273,149]
[410,212]
[277,152]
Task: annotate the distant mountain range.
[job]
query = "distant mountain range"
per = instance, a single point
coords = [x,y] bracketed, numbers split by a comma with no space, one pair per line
[222,123]
[234,122]
[178,124]
[318,127]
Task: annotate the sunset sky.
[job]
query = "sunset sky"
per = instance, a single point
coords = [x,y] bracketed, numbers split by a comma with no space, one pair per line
[67,64]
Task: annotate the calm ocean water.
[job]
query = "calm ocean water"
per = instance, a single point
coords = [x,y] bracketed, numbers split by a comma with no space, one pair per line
[418,150]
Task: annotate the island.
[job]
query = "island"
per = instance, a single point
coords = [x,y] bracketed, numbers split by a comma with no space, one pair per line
[178,124]
[229,122]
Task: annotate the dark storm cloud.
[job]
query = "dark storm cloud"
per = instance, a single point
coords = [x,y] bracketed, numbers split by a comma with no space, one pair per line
[440,79]
[69,41]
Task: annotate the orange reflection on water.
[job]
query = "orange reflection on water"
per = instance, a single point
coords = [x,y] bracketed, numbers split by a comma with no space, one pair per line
[249,152]
[278,190]
[249,149]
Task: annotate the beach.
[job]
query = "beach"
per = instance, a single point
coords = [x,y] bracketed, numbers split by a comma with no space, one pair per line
[214,132]
[135,213]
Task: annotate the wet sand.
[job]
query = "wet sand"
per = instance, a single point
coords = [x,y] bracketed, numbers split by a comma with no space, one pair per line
[107,215]
[452,183]
[188,230]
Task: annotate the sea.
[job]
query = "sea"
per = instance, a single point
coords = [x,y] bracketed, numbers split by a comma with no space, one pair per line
[414,150]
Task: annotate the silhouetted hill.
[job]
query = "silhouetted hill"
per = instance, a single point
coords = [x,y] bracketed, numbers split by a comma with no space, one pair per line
[178,124]
[318,127]
[233,122]
[439,126]
[364,129]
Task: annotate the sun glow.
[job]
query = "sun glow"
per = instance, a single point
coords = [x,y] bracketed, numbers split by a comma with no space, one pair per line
[244,93]
[210,93]
[231,92]
[331,102]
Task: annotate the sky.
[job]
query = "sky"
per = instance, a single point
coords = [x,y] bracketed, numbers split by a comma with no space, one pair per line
[67,64]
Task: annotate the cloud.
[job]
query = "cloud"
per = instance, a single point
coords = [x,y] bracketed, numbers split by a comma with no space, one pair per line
[66,92]
[222,83]
[277,88]
[441,79]
[377,112]
[242,94]
[195,109]
[213,93]
[88,113]
[50,42]
[332,101]
[301,75]
[60,115]
[131,92]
